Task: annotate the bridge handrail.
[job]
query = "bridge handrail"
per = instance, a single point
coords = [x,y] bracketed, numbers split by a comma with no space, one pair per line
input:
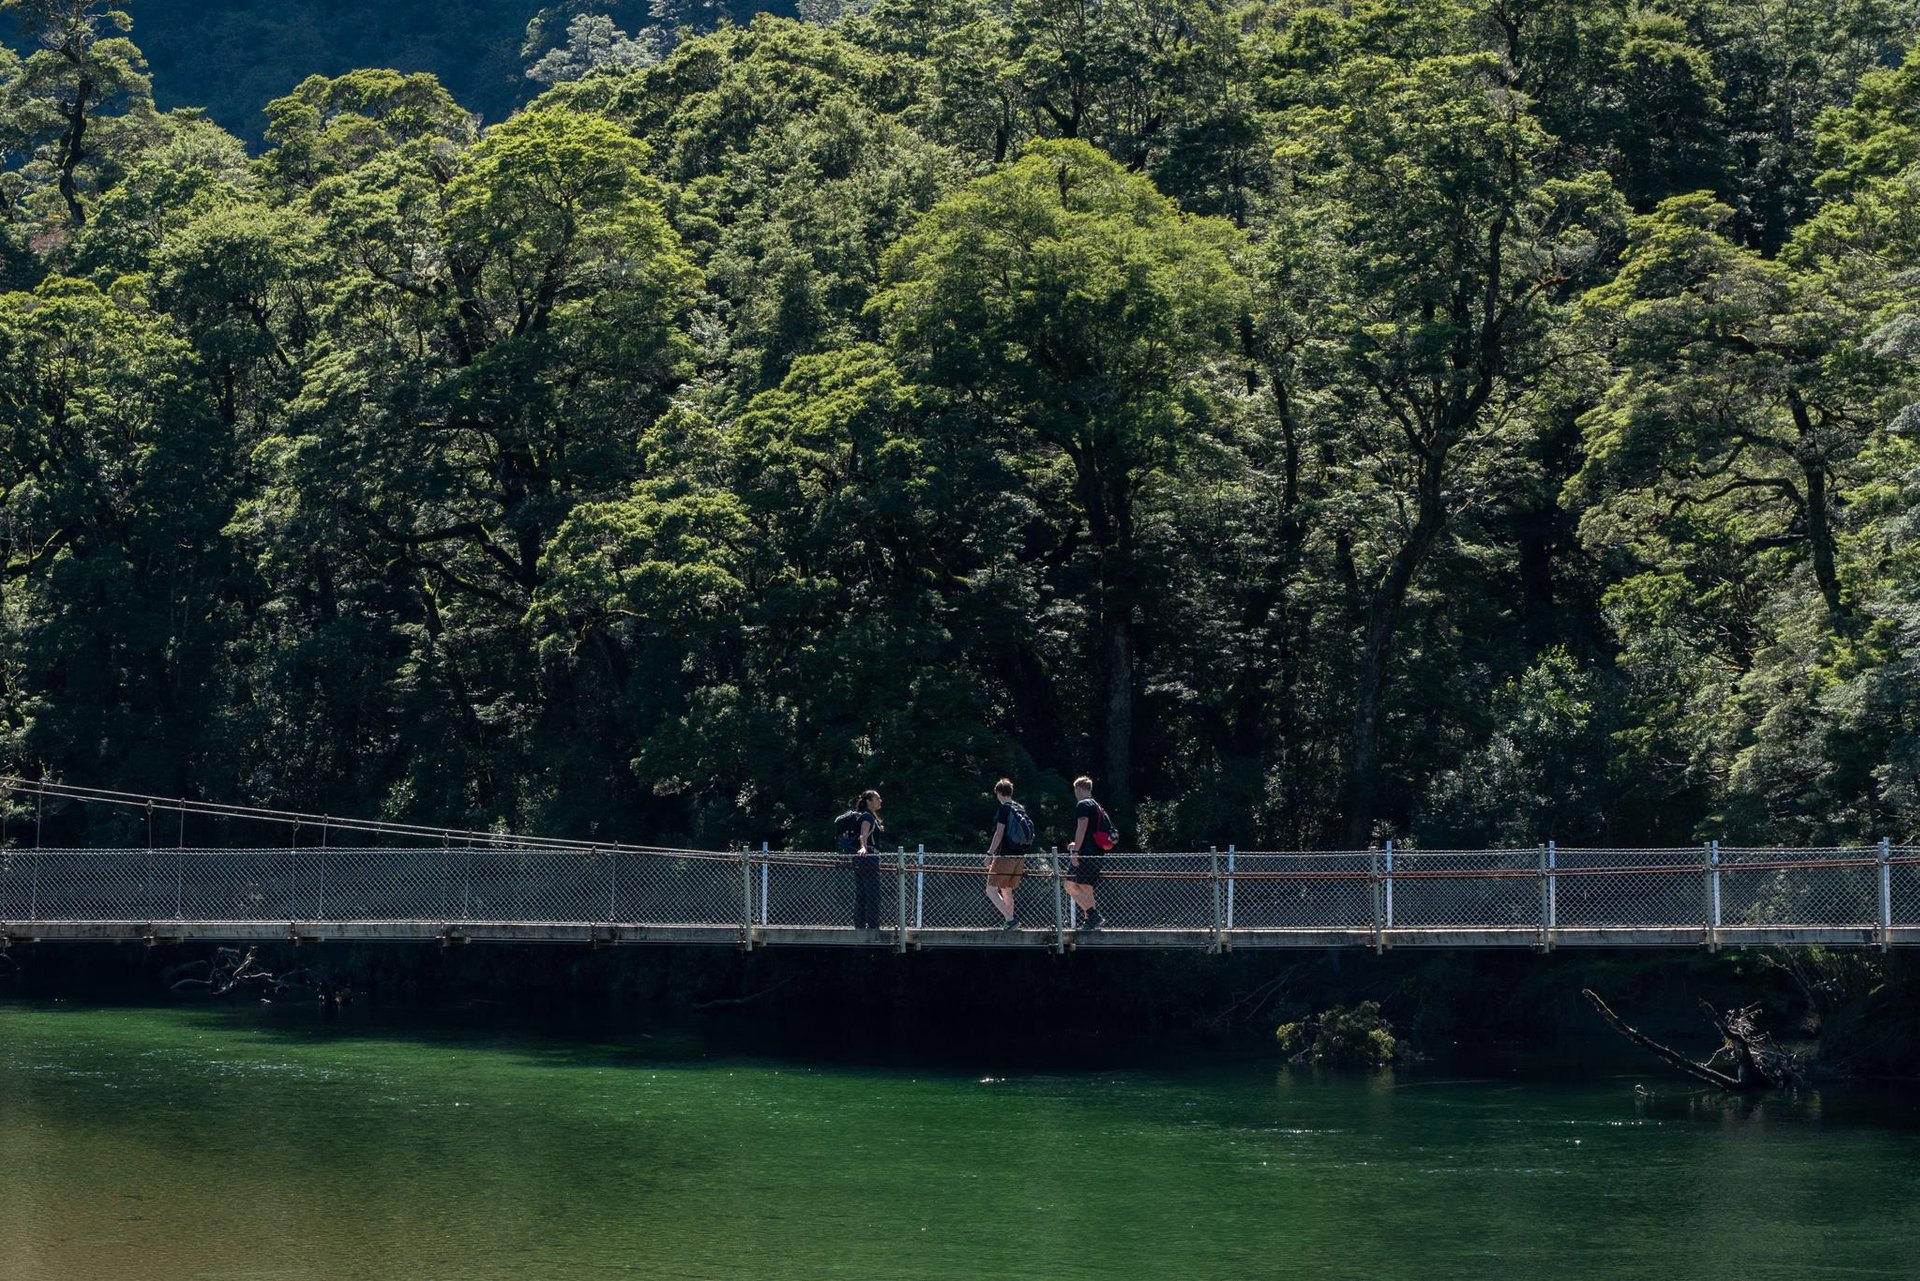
[1860,895]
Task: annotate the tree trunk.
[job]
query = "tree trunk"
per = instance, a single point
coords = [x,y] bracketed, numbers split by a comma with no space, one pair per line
[1108,499]
[1251,723]
[1819,515]
[73,150]
[1383,617]
[1758,1063]
[1820,541]
[1115,741]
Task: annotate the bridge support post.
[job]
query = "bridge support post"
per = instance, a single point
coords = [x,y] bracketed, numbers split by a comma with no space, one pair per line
[466,881]
[1386,897]
[1374,877]
[900,913]
[1230,852]
[745,894]
[919,885]
[1713,895]
[1549,908]
[1059,905]
[1886,895]
[1219,897]
[746,899]
[763,886]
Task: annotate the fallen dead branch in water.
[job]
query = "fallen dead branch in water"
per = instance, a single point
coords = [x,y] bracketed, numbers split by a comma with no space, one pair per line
[732,1002]
[1757,1063]
[230,972]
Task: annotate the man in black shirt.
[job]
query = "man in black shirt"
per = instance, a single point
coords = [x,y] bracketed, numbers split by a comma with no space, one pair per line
[1092,836]
[1007,853]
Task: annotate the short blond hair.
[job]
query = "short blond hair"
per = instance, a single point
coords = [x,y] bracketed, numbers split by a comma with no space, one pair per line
[1003,788]
[1083,784]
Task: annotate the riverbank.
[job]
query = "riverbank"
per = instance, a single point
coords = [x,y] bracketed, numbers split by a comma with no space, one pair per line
[1856,1012]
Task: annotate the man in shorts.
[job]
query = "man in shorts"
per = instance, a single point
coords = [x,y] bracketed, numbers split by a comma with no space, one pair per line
[1092,837]
[1006,857]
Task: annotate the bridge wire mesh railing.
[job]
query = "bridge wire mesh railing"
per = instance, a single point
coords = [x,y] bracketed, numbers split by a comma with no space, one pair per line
[1902,878]
[1377,892]
[1762,887]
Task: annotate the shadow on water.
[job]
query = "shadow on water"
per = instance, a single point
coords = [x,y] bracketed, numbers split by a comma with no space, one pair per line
[571,1038]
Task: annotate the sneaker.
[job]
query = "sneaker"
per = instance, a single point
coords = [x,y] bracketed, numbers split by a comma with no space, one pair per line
[1012,924]
[1091,922]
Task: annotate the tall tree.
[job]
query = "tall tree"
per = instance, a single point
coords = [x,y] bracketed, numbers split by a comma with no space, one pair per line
[115,483]
[83,93]
[1077,306]
[1458,244]
[1738,407]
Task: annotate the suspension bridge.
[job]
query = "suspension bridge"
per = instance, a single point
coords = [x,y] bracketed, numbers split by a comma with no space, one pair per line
[328,878]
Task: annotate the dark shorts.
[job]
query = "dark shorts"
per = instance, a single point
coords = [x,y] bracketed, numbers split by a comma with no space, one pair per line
[1087,870]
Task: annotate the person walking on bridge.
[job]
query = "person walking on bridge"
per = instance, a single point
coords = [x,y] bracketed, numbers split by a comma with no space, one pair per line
[1007,853]
[859,831]
[1093,835]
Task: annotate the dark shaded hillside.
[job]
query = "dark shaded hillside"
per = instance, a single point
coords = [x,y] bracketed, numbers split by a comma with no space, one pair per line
[232,57]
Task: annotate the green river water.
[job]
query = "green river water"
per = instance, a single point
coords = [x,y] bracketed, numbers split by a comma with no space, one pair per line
[203,1143]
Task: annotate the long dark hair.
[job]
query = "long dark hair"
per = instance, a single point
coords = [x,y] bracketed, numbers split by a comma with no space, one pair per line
[860,803]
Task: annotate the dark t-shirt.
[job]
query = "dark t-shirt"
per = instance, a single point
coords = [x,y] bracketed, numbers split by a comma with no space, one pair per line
[1088,809]
[864,828]
[1003,818]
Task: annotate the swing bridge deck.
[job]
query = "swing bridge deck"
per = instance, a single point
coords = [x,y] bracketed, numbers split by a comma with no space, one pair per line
[496,890]
[372,879]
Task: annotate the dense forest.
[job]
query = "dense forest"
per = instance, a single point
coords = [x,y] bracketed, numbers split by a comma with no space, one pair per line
[1460,420]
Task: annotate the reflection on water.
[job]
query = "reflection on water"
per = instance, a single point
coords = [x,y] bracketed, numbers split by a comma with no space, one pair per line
[224,1144]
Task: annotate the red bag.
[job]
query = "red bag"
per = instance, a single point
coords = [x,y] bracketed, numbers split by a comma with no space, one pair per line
[1104,835]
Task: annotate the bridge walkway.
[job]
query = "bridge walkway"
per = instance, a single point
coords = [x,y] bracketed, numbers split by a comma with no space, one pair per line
[1221,900]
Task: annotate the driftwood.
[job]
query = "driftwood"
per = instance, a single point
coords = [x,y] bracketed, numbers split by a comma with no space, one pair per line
[1248,1006]
[1757,1063]
[231,971]
[730,1002]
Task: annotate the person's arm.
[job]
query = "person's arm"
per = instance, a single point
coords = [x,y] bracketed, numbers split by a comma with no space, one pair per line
[993,846]
[866,830]
[1079,839]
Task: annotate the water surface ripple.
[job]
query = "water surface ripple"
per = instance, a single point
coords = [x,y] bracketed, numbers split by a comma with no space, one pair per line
[181,1143]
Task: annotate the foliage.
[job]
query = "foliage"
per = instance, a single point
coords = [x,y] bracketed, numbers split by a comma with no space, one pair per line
[593,45]
[1340,1037]
[1466,420]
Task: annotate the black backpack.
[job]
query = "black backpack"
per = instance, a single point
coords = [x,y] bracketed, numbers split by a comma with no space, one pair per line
[846,830]
[1019,827]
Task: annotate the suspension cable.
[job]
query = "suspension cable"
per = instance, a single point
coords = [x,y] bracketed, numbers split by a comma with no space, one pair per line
[41,789]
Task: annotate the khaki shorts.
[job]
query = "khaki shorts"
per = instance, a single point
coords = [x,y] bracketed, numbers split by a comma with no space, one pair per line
[1006,871]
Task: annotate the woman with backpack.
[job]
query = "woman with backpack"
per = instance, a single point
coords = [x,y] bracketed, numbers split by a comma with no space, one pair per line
[1007,853]
[1093,835]
[858,830]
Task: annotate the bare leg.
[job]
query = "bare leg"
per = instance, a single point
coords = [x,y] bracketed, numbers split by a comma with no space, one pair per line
[1002,900]
[1082,895]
